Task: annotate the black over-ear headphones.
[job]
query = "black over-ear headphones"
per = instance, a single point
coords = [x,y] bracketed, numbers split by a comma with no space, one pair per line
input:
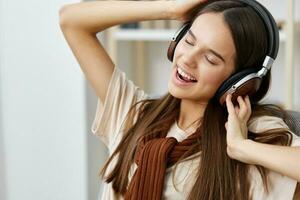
[247,81]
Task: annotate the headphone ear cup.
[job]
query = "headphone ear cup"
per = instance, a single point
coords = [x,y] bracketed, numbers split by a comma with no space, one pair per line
[247,82]
[171,50]
[177,37]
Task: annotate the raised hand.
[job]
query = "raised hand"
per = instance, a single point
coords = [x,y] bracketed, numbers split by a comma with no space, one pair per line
[236,126]
[185,9]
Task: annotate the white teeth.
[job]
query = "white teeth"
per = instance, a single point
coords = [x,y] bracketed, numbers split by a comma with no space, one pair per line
[182,73]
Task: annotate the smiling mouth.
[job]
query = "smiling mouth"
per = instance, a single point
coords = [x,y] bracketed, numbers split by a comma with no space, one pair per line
[183,76]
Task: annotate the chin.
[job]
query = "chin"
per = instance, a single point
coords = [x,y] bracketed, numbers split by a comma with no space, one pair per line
[177,93]
[183,94]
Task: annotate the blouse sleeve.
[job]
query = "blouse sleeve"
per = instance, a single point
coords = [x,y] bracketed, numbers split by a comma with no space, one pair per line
[265,123]
[122,93]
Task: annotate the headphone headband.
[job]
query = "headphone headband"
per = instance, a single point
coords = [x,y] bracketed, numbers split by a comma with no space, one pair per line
[270,24]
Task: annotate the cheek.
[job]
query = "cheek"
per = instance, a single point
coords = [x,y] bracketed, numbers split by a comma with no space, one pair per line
[214,79]
[180,49]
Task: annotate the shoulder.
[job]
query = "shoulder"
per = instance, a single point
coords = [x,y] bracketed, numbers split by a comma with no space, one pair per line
[265,122]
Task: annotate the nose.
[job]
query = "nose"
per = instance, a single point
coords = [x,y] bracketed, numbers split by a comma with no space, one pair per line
[190,57]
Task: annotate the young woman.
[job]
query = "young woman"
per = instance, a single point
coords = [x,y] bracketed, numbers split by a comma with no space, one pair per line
[185,145]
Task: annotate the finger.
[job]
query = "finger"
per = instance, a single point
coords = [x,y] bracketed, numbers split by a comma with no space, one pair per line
[237,109]
[248,103]
[229,104]
[243,108]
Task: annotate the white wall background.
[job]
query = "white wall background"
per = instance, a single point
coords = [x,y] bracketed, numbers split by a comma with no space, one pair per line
[47,150]
[43,107]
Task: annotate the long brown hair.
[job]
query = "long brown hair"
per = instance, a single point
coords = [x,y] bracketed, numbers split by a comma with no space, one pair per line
[218,176]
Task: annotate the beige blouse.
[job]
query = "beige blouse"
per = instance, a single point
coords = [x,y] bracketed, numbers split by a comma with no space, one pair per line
[107,124]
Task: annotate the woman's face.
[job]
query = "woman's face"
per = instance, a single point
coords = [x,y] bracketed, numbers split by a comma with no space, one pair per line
[207,54]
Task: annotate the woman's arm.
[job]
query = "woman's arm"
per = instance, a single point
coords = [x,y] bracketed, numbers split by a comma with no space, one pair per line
[96,16]
[282,159]
[80,22]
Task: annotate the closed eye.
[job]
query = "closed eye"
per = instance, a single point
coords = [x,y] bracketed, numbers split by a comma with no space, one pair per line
[188,42]
[210,61]
[205,56]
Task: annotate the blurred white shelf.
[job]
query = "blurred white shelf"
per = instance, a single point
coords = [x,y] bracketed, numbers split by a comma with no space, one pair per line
[144,34]
[155,35]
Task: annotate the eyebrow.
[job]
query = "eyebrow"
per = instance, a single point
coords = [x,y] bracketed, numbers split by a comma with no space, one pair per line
[210,50]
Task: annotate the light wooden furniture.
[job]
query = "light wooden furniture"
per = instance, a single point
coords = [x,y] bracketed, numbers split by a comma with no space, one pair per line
[289,61]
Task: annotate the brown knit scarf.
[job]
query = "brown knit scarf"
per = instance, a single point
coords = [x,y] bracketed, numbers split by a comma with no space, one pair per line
[153,157]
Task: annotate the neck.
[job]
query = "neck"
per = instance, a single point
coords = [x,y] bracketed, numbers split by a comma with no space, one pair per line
[190,112]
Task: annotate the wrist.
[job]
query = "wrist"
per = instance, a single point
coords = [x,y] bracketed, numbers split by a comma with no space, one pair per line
[242,151]
[171,11]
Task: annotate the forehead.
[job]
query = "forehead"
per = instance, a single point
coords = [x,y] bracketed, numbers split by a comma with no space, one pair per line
[212,31]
